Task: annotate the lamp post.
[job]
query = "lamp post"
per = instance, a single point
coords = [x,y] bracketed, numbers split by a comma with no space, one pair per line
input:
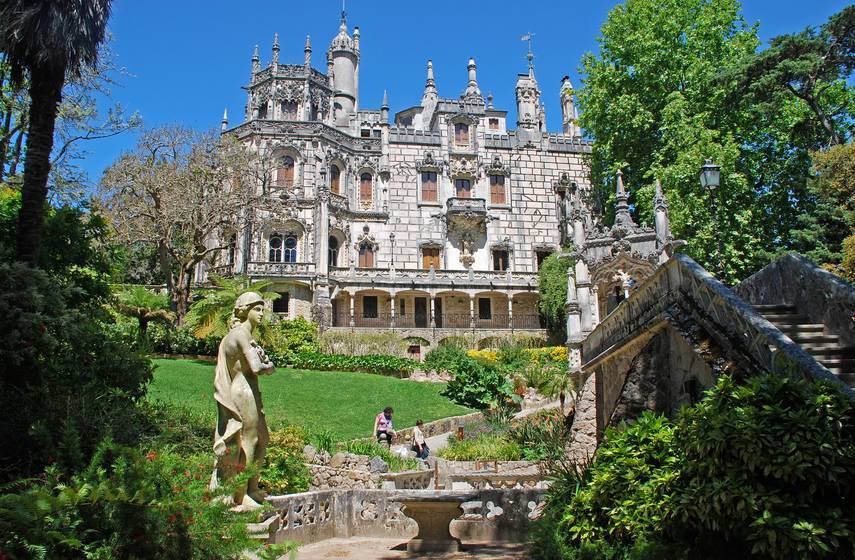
[710,180]
[392,249]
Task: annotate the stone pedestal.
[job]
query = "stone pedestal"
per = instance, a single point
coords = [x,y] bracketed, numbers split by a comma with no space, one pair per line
[433,519]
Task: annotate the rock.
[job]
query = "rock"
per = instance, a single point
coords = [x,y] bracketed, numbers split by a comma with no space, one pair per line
[378,465]
[323,457]
[310,453]
[337,460]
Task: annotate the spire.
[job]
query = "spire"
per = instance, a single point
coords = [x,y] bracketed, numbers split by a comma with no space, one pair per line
[275,49]
[490,100]
[659,201]
[384,108]
[308,51]
[622,214]
[255,60]
[385,104]
[430,83]
[530,55]
[224,124]
[356,38]
[472,91]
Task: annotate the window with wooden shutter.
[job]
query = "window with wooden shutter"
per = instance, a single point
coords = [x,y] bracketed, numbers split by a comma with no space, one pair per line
[497,189]
[285,172]
[366,189]
[463,188]
[366,256]
[429,193]
[461,134]
[500,260]
[430,258]
[335,179]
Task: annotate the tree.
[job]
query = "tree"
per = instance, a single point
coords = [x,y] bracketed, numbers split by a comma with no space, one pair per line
[552,284]
[812,65]
[212,314]
[183,193]
[657,100]
[46,39]
[143,305]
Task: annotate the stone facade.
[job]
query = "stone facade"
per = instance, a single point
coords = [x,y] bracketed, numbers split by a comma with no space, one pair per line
[433,221]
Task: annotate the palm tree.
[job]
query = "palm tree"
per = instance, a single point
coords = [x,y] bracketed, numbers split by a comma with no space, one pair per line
[47,40]
[145,306]
[558,382]
[211,315]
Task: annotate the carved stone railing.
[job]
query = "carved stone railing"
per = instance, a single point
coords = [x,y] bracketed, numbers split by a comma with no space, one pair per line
[489,515]
[410,480]
[495,480]
[338,201]
[820,295]
[683,281]
[280,269]
[462,279]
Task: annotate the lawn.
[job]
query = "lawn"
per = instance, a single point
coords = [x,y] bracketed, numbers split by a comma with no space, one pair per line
[341,402]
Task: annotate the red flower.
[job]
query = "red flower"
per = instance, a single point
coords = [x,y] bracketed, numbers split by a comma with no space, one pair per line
[152,455]
[171,518]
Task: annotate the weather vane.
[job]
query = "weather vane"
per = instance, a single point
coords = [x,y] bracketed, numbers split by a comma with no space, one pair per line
[528,37]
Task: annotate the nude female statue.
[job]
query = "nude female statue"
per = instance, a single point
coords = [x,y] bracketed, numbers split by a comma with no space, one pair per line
[241,435]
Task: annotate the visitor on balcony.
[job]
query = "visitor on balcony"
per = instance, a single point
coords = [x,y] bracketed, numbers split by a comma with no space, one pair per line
[383,428]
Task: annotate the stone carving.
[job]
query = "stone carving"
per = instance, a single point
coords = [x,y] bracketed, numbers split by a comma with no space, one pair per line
[461,165]
[241,434]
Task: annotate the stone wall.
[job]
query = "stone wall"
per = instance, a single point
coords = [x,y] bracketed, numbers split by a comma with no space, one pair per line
[325,478]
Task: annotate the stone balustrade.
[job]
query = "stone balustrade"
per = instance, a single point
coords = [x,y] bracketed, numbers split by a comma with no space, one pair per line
[409,480]
[489,515]
[682,281]
[259,268]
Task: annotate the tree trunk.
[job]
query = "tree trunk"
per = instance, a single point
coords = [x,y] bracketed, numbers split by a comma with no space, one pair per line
[561,398]
[181,295]
[45,95]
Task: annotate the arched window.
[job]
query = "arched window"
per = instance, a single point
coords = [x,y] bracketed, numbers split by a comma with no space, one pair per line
[333,251]
[289,110]
[262,111]
[366,256]
[274,248]
[463,188]
[429,193]
[335,179]
[285,172]
[366,189]
[461,134]
[232,250]
[290,253]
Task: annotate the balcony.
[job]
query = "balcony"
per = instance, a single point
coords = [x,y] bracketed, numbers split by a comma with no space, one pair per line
[278,269]
[461,321]
[465,213]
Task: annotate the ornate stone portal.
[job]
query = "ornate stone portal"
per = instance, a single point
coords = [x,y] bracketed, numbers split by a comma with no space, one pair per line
[241,435]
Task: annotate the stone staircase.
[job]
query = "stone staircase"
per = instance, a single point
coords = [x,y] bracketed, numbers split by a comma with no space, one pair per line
[825,348]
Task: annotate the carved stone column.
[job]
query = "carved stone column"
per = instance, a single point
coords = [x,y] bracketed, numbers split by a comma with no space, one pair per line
[321,305]
[352,310]
[431,313]
[511,312]
[472,312]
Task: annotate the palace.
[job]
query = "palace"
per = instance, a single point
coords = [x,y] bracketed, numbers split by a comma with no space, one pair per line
[432,224]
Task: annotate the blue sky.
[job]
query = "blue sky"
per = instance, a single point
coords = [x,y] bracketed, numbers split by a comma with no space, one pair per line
[187,59]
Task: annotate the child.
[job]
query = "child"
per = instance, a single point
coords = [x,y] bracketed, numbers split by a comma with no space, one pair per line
[419,444]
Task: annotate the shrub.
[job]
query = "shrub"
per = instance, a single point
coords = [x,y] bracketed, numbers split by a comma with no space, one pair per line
[477,385]
[289,338]
[548,354]
[445,358]
[285,471]
[487,356]
[765,469]
[124,505]
[183,430]
[485,447]
[370,364]
[358,344]
[181,340]
[542,436]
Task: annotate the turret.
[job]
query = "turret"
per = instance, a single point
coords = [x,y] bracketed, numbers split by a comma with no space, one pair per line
[224,124]
[384,133]
[569,117]
[344,57]
[256,65]
[530,113]
[308,52]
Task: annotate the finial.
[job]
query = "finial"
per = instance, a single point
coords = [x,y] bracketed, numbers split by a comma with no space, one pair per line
[308,51]
[430,72]
[255,63]
[224,124]
[490,100]
[343,25]
[356,38]
[275,49]
[658,187]
[385,104]
[623,217]
[620,189]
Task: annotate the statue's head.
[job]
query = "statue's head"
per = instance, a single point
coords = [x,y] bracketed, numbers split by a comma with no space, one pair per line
[245,303]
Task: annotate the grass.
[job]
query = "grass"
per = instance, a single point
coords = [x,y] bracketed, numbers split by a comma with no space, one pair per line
[486,447]
[343,403]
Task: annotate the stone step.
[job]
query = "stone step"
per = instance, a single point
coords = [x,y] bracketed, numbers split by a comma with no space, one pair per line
[830,351]
[775,308]
[806,328]
[815,338]
[847,377]
[840,364]
[787,318]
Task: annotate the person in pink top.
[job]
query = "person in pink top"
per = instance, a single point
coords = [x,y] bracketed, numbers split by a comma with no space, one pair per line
[383,429]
